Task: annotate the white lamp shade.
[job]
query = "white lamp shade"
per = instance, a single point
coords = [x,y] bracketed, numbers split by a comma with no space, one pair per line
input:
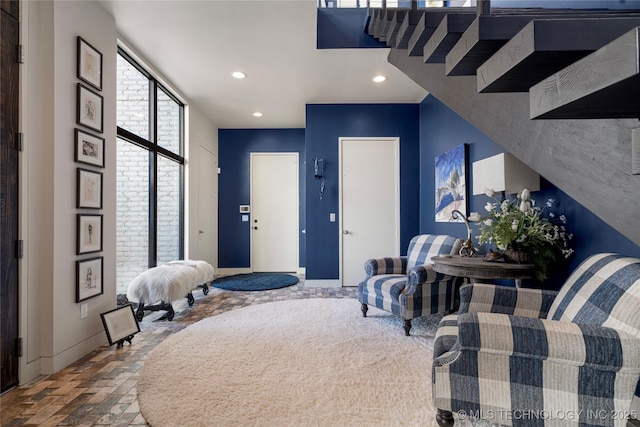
[503,172]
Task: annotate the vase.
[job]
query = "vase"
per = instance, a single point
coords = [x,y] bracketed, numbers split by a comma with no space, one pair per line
[519,256]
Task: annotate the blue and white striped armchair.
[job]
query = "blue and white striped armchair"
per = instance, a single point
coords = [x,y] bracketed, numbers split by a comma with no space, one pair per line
[407,286]
[527,357]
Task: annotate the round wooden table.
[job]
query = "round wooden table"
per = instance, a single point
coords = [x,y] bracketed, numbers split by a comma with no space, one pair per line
[478,268]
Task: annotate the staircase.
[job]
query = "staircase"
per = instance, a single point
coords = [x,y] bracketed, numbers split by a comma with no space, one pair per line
[559,89]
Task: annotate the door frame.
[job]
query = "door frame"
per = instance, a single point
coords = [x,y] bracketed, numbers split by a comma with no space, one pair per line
[396,143]
[295,223]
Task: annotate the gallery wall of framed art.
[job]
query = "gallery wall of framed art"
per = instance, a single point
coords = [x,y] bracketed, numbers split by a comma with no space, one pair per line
[89,153]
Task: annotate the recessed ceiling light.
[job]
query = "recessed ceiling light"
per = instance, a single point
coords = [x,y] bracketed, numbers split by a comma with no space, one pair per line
[379,79]
[257,114]
[239,75]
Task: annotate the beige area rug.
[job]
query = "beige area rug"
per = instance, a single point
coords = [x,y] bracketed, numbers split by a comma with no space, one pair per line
[314,362]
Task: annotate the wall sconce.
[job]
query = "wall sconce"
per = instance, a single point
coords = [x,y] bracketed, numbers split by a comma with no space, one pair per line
[503,173]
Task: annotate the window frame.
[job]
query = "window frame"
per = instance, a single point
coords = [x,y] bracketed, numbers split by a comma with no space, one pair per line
[155,150]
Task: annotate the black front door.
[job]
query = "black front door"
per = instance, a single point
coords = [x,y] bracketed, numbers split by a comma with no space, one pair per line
[9,73]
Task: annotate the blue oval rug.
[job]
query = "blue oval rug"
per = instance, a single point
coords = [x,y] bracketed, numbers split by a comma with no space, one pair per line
[255,281]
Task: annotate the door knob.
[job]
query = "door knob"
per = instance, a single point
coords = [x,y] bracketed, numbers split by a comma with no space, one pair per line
[345,231]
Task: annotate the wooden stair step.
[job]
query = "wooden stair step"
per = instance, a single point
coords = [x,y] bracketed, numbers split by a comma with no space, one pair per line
[488,33]
[446,36]
[544,47]
[602,85]
[427,25]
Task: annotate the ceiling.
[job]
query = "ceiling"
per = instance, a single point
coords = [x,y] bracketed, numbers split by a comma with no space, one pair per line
[194,46]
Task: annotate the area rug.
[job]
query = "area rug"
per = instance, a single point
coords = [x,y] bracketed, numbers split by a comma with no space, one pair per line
[255,281]
[312,362]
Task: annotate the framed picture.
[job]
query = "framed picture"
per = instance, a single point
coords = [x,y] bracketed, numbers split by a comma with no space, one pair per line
[89,235]
[89,149]
[88,278]
[451,184]
[120,324]
[89,189]
[90,108]
[89,64]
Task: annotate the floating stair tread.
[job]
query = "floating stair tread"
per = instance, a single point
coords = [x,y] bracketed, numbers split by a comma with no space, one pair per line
[488,33]
[602,85]
[407,28]
[428,23]
[446,36]
[544,47]
[394,27]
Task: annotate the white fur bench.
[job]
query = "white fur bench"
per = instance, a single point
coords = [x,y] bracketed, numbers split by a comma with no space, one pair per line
[169,282]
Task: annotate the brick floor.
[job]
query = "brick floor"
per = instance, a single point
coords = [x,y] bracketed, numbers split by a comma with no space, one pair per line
[100,389]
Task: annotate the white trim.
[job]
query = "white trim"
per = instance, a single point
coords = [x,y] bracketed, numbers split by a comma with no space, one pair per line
[330,283]
[231,271]
[396,141]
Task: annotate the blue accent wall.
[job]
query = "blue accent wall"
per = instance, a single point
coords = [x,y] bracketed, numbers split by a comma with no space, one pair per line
[442,129]
[342,28]
[234,149]
[325,125]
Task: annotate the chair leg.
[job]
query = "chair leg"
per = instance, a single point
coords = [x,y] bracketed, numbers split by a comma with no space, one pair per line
[364,309]
[444,418]
[407,326]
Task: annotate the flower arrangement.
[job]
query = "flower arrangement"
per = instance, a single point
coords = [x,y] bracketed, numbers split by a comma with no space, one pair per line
[520,225]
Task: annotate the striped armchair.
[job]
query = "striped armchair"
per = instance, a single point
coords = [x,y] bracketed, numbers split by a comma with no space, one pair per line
[527,357]
[407,286]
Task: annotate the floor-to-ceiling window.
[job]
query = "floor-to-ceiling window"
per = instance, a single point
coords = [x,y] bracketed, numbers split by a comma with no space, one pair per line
[149,173]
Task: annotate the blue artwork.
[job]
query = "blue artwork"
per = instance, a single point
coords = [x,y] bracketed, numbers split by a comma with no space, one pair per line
[450,187]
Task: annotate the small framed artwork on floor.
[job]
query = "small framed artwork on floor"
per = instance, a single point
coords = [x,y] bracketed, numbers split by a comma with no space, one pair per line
[89,277]
[120,324]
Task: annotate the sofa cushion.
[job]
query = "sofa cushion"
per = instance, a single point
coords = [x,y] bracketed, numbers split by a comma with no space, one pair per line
[423,247]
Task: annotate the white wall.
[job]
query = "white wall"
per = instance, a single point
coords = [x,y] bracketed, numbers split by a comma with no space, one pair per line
[50,323]
[54,334]
[201,133]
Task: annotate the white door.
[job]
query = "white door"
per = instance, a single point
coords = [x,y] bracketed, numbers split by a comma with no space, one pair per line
[274,212]
[207,210]
[369,203]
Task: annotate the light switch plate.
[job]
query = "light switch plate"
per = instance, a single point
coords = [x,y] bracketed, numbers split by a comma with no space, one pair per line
[332,217]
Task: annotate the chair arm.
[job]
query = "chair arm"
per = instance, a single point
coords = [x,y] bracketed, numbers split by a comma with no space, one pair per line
[567,343]
[422,274]
[376,266]
[487,298]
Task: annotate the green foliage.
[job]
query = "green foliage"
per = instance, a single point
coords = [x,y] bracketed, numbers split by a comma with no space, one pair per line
[521,225]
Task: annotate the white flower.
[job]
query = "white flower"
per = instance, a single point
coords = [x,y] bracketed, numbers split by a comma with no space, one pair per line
[488,222]
[514,225]
[525,195]
[525,206]
[489,192]
[550,202]
[488,207]
[552,215]
[504,206]
[563,219]
[474,217]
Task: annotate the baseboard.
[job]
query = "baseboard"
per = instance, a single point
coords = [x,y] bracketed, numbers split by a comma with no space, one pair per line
[324,283]
[231,271]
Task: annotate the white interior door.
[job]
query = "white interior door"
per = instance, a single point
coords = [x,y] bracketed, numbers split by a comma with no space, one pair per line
[369,203]
[207,210]
[274,212]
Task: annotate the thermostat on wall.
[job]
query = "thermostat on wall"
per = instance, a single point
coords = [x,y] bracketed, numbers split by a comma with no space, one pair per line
[245,208]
